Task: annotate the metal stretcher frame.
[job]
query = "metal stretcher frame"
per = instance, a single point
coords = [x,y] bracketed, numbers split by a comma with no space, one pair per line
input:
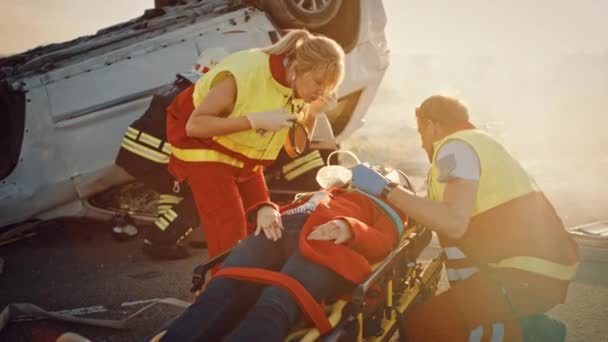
[404,282]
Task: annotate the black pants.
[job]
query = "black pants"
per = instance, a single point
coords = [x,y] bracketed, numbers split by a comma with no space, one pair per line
[176,211]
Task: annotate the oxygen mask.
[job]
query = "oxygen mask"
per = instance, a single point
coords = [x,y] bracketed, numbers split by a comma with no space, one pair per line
[332,176]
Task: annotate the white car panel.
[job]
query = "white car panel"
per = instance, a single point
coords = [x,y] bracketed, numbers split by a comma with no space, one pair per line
[77,112]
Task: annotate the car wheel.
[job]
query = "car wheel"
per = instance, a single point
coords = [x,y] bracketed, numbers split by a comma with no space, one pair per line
[165,3]
[310,14]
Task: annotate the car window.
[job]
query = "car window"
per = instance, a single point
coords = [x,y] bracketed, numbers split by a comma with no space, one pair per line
[12,105]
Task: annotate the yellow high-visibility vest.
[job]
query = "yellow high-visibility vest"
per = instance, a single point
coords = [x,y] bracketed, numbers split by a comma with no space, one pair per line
[257,91]
[496,166]
[503,181]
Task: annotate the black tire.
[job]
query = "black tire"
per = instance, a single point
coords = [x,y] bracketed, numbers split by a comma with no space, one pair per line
[165,3]
[309,14]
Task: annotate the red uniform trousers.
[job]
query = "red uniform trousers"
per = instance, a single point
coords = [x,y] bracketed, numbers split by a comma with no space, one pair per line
[222,194]
[483,308]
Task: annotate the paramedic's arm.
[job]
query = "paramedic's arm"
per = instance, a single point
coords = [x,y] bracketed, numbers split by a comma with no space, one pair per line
[450,217]
[209,118]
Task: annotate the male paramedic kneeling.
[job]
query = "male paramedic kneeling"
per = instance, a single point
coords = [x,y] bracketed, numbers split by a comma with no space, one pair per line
[509,257]
[234,121]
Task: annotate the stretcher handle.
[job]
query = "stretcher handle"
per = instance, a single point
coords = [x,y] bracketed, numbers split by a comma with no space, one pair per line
[407,251]
[198,275]
[411,248]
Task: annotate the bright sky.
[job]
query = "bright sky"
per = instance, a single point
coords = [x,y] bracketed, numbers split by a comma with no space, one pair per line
[497,27]
[25,24]
[535,81]
[474,27]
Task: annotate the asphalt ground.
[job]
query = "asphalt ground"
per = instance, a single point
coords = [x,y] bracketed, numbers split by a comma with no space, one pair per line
[73,264]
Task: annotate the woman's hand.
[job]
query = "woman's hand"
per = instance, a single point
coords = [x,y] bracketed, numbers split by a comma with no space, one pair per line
[323,104]
[269,221]
[270,121]
[337,230]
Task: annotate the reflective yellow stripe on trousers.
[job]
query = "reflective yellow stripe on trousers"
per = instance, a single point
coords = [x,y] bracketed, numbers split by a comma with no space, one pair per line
[525,263]
[144,152]
[540,266]
[146,146]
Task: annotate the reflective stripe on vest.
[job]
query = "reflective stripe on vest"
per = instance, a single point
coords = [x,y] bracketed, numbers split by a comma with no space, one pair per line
[202,154]
[269,145]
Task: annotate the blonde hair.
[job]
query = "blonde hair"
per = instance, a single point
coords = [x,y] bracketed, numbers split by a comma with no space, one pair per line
[443,109]
[311,53]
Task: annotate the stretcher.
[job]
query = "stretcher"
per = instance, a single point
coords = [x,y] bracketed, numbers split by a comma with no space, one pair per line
[376,308]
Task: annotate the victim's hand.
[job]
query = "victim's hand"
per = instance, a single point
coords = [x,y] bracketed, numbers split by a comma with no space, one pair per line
[337,230]
[269,221]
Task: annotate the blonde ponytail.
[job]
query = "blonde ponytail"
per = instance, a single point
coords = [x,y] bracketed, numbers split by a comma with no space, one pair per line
[288,43]
[312,53]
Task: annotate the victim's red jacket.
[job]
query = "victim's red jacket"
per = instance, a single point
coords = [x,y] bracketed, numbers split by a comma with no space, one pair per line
[374,234]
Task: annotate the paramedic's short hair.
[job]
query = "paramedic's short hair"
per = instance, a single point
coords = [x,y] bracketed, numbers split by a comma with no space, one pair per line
[445,110]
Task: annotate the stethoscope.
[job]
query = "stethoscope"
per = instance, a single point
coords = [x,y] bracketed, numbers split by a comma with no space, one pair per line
[293,146]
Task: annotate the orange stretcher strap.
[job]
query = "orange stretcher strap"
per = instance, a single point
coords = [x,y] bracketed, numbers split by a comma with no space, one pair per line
[306,302]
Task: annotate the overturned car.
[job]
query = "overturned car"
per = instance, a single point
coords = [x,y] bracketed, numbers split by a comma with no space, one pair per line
[66,106]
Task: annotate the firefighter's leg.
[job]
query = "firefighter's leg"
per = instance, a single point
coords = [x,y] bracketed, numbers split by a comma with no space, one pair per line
[176,216]
[474,310]
[220,206]
[176,219]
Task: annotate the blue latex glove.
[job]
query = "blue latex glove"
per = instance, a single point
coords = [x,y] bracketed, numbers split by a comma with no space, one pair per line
[368,180]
